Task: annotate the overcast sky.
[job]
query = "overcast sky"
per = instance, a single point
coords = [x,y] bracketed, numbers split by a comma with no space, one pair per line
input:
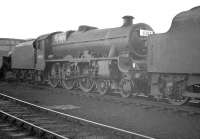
[31,18]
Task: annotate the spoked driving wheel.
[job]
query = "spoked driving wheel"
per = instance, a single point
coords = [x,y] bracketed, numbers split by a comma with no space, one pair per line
[126,86]
[67,77]
[86,84]
[54,75]
[174,93]
[102,86]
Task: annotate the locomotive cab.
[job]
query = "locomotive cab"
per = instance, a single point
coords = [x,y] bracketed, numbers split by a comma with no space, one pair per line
[43,50]
[39,50]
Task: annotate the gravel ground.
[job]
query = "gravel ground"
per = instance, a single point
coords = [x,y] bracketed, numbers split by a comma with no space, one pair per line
[151,122]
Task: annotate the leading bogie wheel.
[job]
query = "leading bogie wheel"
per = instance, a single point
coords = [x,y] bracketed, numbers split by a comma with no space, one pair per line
[54,75]
[126,86]
[102,86]
[67,77]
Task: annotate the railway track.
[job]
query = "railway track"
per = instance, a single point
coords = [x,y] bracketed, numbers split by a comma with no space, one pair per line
[190,109]
[33,121]
[146,103]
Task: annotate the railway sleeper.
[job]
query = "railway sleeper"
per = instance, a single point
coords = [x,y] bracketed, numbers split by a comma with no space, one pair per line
[14,111]
[8,131]
[12,132]
[21,114]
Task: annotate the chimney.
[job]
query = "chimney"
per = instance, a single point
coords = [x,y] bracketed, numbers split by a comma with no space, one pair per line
[128,20]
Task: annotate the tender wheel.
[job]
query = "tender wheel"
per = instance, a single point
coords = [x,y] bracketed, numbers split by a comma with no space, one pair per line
[54,75]
[174,93]
[126,86]
[86,84]
[67,75]
[103,86]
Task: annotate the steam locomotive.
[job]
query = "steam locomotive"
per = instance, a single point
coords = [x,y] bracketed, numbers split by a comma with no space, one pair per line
[130,60]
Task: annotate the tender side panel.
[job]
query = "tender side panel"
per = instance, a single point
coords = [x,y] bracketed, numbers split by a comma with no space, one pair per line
[178,50]
[174,54]
[23,56]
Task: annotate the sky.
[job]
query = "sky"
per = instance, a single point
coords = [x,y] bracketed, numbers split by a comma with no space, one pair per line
[26,19]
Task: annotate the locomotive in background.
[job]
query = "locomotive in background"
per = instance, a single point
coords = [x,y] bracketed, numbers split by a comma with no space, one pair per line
[6,46]
[129,60]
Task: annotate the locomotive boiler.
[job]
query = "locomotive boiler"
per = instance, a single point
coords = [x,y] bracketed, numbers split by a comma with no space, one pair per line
[129,38]
[96,58]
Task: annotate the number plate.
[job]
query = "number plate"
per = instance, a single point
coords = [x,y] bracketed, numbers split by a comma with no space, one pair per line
[145,32]
[59,38]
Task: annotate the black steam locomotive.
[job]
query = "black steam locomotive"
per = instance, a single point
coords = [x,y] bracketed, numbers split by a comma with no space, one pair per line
[129,60]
